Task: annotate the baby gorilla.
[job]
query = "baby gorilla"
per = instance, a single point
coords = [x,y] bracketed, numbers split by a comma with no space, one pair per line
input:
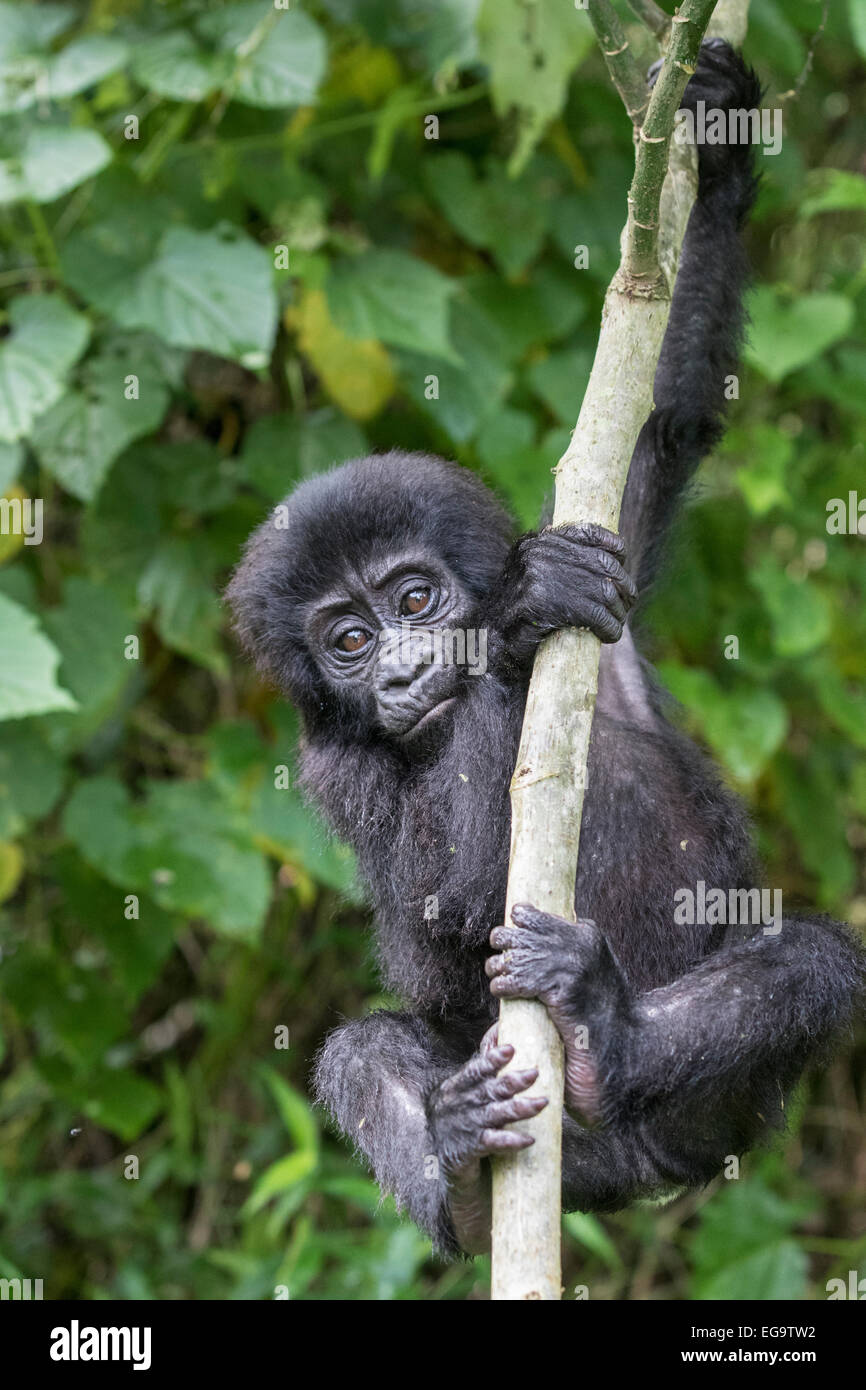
[681,1042]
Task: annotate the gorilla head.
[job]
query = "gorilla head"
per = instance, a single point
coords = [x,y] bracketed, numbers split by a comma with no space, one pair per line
[341,585]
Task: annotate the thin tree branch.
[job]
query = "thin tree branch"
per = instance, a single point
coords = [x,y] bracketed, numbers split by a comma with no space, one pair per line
[794,92]
[547,789]
[654,138]
[622,66]
[653,16]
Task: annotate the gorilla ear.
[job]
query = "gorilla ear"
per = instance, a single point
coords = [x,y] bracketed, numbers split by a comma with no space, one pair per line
[257,607]
[264,606]
[246,604]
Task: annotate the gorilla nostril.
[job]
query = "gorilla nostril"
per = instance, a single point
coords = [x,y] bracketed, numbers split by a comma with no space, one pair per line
[394,675]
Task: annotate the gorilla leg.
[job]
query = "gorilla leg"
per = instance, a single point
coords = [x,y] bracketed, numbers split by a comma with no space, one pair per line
[424,1125]
[697,1069]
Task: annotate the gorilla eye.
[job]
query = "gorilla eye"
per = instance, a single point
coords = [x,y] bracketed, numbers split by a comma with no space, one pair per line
[353,641]
[415,601]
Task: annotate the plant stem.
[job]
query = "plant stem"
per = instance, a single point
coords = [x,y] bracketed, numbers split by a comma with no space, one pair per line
[547,789]
[42,233]
[653,16]
[627,76]
[641,265]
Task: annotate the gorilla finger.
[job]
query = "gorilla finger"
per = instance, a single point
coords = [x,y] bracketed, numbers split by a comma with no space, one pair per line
[497,1141]
[510,1083]
[526,915]
[503,937]
[590,533]
[603,623]
[504,964]
[484,1065]
[506,987]
[505,1112]
[609,597]
[602,563]
[495,965]
[588,565]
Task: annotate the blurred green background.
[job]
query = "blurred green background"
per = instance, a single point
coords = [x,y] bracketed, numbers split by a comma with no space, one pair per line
[231,256]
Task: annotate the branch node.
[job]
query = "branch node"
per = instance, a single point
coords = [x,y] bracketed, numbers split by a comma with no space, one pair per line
[525,778]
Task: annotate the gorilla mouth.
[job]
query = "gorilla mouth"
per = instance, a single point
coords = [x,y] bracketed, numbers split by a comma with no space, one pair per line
[432,713]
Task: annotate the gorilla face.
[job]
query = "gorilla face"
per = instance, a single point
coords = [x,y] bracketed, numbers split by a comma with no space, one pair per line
[356,593]
[381,636]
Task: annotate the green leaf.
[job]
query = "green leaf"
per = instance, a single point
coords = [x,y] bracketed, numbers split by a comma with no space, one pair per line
[763,481]
[89,629]
[560,380]
[531,50]
[503,215]
[834,190]
[744,1247]
[83,63]
[182,845]
[31,778]
[11,463]
[777,1271]
[173,65]
[467,395]
[25,33]
[857,20]
[281,54]
[24,81]
[137,947]
[294,1109]
[787,333]
[28,684]
[798,610]
[80,437]
[508,447]
[745,727]
[529,315]
[282,1176]
[178,583]
[395,298]
[279,820]
[396,112]
[773,35]
[588,1231]
[446,33]
[804,784]
[26,28]
[121,1102]
[846,706]
[279,450]
[45,161]
[47,338]
[211,290]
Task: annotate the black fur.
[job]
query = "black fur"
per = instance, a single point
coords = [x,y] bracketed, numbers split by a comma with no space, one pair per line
[695,1033]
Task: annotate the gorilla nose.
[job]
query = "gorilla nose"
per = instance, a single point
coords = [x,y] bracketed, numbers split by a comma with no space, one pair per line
[394,675]
[402,660]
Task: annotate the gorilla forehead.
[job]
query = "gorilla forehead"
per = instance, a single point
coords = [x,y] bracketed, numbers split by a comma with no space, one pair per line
[384,502]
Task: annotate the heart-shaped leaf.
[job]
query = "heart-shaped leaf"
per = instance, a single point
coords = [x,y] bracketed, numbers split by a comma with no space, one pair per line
[28,681]
[47,337]
[280,54]
[787,333]
[44,162]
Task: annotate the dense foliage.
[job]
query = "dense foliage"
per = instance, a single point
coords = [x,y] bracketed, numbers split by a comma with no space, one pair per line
[235,250]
